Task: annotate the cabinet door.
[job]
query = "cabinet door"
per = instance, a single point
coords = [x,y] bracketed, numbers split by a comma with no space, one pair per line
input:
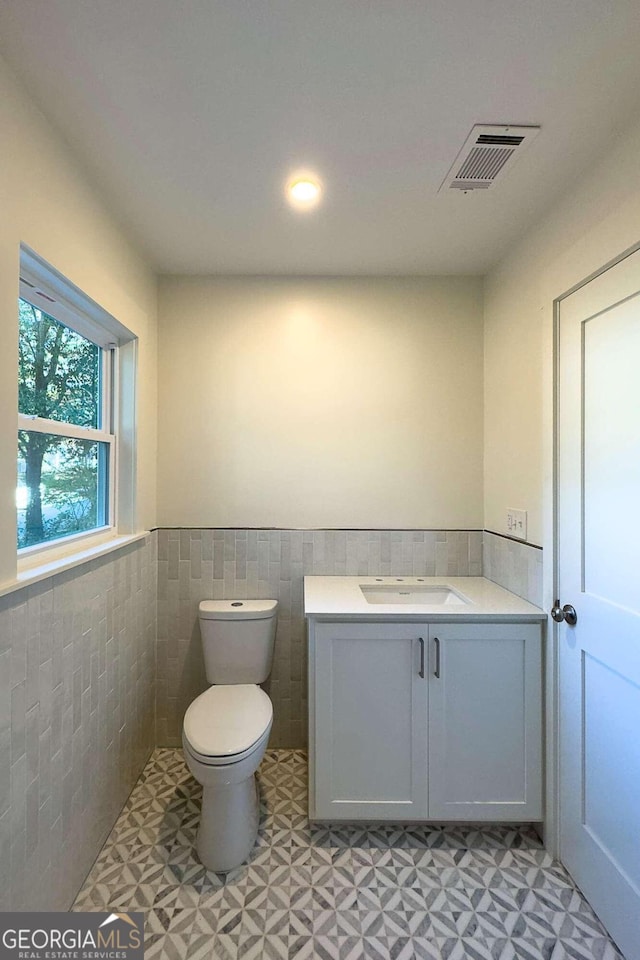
[485,716]
[369,721]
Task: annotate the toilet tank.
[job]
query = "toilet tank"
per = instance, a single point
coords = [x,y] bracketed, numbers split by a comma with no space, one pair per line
[237,639]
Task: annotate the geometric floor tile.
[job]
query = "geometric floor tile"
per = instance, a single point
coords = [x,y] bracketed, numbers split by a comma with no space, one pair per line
[334,892]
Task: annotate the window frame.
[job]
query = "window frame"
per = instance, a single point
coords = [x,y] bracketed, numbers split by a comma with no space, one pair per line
[47,290]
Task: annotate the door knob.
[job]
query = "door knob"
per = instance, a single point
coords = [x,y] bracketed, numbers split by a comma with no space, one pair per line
[566,613]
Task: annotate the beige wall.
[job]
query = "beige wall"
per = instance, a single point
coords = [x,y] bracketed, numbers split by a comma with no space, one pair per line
[513,351]
[317,402]
[320,403]
[47,204]
[592,224]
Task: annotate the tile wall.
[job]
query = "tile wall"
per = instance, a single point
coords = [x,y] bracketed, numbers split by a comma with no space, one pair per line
[222,564]
[515,566]
[77,674]
[85,657]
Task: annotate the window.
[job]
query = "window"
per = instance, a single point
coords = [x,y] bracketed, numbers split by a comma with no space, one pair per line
[68,407]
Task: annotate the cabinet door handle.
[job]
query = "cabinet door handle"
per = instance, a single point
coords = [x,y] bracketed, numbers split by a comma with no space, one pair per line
[421,670]
[436,672]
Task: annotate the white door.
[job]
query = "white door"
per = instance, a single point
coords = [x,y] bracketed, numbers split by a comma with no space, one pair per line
[599,574]
[485,718]
[370,721]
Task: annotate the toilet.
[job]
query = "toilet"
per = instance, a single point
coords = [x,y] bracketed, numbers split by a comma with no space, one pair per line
[226,729]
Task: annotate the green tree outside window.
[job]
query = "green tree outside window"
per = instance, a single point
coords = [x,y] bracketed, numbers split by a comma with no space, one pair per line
[59,482]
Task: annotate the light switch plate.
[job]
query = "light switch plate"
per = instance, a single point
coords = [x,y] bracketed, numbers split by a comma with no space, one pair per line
[517,523]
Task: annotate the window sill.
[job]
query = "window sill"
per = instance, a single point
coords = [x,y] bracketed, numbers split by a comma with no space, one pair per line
[34,574]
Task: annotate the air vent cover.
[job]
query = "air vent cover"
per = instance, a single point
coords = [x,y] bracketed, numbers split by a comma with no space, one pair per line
[485,154]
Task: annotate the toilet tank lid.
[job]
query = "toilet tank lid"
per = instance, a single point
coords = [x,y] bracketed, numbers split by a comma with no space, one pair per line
[237,609]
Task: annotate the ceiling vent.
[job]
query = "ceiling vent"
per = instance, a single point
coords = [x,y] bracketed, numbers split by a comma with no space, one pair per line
[486,153]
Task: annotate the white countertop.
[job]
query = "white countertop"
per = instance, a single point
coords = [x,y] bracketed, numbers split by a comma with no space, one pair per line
[341,598]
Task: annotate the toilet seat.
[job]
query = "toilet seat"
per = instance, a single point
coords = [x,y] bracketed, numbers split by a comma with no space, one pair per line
[227,723]
[225,763]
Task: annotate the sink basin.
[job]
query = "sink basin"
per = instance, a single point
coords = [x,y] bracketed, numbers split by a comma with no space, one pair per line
[436,595]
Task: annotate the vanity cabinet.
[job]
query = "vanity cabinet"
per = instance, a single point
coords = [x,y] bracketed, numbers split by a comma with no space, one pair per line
[425,721]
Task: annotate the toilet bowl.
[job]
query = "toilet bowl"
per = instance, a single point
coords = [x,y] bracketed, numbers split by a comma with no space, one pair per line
[226,729]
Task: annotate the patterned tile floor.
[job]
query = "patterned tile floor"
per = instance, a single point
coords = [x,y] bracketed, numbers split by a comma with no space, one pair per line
[334,893]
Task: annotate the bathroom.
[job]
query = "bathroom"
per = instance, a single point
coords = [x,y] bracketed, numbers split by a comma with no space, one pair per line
[372,421]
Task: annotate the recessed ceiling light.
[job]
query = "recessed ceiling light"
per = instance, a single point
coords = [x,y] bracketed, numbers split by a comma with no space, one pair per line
[303,192]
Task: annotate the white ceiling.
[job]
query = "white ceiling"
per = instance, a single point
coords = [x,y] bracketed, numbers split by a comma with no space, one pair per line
[190,114]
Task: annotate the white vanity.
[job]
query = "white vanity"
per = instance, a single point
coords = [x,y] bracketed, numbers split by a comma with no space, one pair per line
[425,700]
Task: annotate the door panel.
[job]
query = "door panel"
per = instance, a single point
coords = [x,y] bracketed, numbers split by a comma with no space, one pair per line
[599,564]
[370,722]
[485,723]
[366,762]
[609,700]
[611,401]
